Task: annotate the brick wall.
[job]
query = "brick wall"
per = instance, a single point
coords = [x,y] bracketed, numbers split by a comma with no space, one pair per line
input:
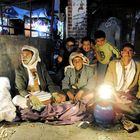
[76,32]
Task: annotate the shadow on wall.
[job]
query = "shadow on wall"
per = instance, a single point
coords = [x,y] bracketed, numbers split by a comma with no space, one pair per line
[137,37]
[10,54]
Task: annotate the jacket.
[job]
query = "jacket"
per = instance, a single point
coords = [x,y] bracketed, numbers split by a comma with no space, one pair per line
[86,79]
[111,76]
[21,79]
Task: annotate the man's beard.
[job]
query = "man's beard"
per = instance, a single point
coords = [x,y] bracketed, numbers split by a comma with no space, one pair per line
[26,61]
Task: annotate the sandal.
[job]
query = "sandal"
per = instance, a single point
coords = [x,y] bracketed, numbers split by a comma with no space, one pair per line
[84,124]
[128,125]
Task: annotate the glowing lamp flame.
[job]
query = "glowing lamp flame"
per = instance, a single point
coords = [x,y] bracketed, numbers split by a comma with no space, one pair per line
[105,92]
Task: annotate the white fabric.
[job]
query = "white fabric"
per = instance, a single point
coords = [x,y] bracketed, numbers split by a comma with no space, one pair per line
[125,77]
[20,101]
[42,96]
[112,29]
[7,108]
[4,82]
[31,78]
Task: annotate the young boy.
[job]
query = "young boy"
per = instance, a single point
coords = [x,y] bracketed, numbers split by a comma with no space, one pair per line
[87,50]
[124,77]
[78,81]
[104,53]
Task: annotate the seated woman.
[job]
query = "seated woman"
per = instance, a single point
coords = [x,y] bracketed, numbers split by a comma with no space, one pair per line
[78,83]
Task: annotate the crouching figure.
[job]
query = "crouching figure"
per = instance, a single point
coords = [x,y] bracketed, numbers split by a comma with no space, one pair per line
[78,83]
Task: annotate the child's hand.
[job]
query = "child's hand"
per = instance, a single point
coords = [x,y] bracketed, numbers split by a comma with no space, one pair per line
[79,94]
[70,95]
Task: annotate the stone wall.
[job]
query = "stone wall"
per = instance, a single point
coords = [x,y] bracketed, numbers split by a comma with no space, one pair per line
[10,53]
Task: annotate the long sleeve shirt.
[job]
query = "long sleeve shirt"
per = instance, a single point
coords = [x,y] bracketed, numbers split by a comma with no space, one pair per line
[105,53]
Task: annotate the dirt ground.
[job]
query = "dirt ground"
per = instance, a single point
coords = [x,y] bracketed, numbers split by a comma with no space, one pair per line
[41,131]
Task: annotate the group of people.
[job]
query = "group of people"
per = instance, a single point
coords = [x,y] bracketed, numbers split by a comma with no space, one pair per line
[78,68]
[122,74]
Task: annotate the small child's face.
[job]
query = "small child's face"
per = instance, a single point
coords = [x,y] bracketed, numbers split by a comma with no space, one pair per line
[100,41]
[86,46]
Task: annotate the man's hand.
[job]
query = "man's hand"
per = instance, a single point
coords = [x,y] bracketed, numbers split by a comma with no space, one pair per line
[36,103]
[70,95]
[63,97]
[58,97]
[125,100]
[34,100]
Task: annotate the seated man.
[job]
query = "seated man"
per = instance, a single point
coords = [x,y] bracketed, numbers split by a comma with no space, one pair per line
[124,76]
[78,83]
[33,81]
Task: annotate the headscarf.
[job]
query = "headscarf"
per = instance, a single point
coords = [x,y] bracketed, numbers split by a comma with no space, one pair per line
[76,54]
[122,75]
[35,58]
